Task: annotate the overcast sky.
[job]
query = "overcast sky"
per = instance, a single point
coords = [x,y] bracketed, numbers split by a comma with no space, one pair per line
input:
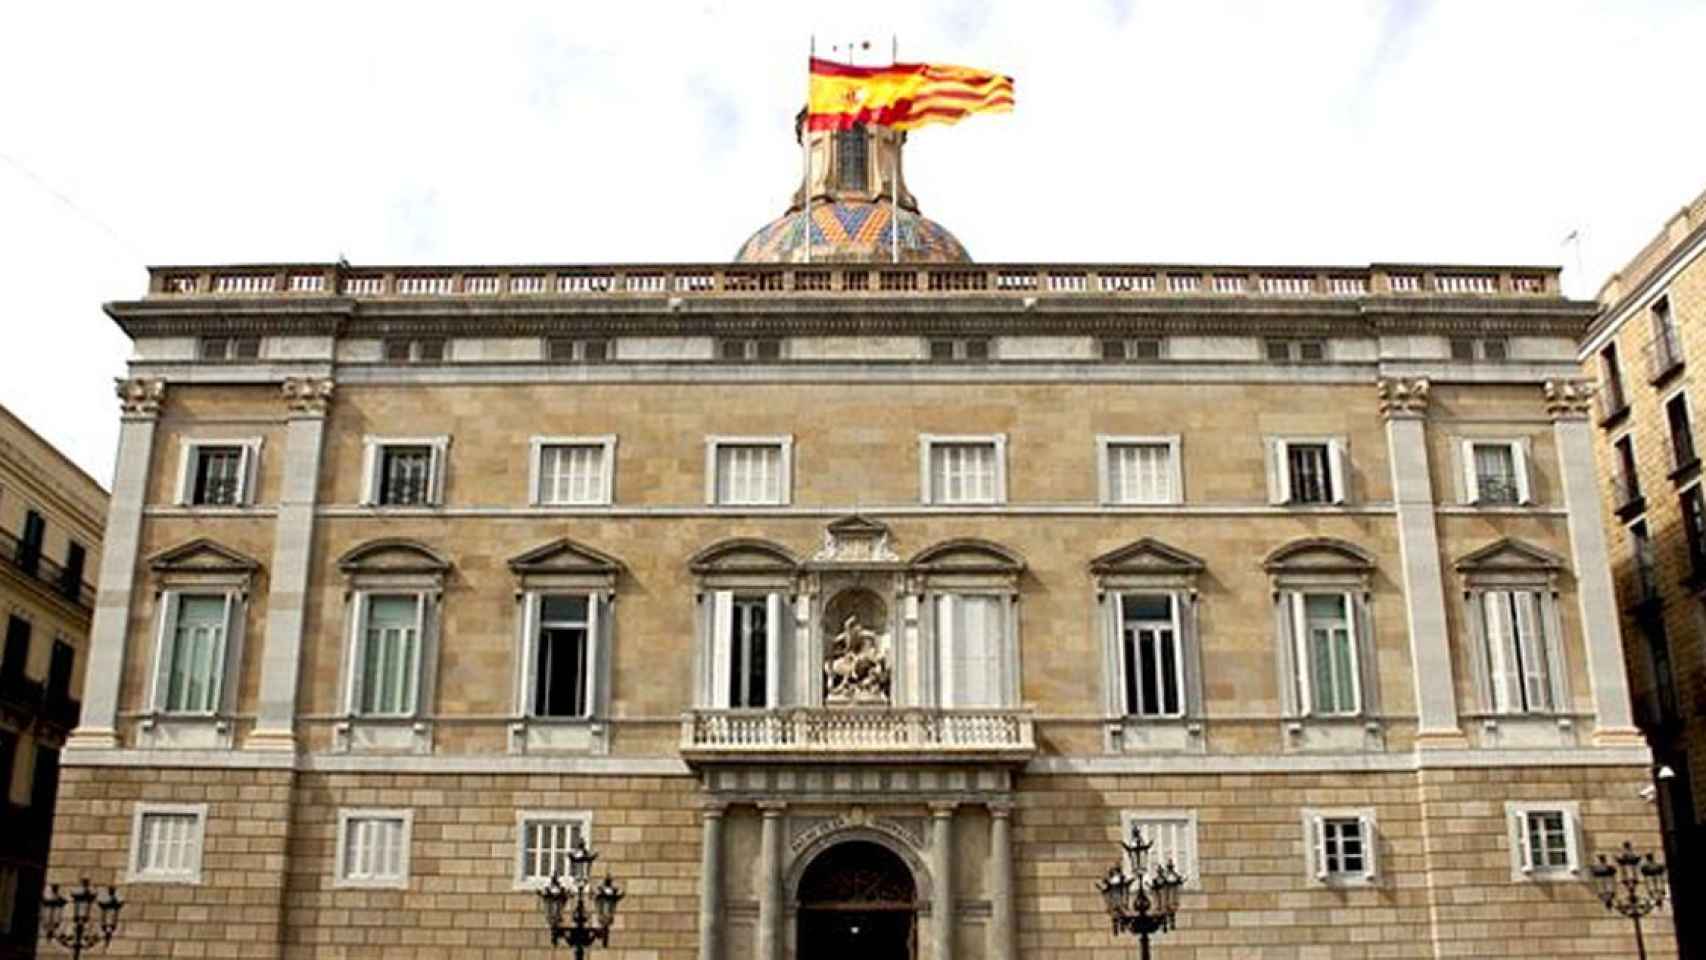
[1319,132]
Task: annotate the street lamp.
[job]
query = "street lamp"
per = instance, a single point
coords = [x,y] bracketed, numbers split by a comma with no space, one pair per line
[582,929]
[1632,885]
[81,930]
[1137,904]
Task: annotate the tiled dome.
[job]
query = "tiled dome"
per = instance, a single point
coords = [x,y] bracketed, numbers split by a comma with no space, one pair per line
[852,231]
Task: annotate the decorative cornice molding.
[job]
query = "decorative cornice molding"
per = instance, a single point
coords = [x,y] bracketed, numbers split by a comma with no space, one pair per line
[1568,399]
[1403,397]
[308,396]
[140,396]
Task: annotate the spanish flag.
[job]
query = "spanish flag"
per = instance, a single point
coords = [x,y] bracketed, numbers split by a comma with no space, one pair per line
[901,95]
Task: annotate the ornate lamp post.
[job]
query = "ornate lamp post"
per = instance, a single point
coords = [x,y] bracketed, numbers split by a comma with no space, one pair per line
[1632,885]
[81,930]
[582,929]
[1138,904]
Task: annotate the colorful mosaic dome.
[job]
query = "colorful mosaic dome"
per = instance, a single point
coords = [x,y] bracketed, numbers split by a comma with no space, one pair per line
[853,231]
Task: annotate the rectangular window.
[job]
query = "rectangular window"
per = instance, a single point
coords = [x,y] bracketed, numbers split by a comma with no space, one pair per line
[1545,840]
[71,578]
[562,657]
[1140,471]
[373,848]
[1681,433]
[964,470]
[970,638]
[1131,349]
[1628,476]
[405,473]
[417,350]
[749,654]
[1667,345]
[852,158]
[218,476]
[192,665]
[573,350]
[389,656]
[1173,834]
[8,898]
[1517,650]
[1296,351]
[1326,654]
[573,471]
[1646,562]
[1694,526]
[1342,848]
[749,472]
[17,649]
[1309,469]
[61,661]
[1611,381]
[959,349]
[1495,472]
[543,842]
[750,349]
[1152,665]
[29,545]
[166,843]
[1471,349]
[229,349]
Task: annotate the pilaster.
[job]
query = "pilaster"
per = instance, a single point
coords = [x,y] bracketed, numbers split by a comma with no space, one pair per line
[1567,402]
[942,879]
[1404,405]
[306,400]
[140,399]
[1002,945]
[711,881]
[770,881]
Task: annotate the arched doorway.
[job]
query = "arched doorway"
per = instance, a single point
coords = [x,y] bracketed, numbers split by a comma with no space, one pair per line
[858,902]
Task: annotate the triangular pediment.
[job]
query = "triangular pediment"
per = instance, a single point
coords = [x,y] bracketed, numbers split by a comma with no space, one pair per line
[1147,555]
[1509,554]
[564,556]
[743,555]
[393,555]
[1319,555]
[857,525]
[968,554]
[202,556]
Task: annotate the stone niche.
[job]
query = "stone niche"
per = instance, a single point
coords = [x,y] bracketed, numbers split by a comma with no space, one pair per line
[859,627]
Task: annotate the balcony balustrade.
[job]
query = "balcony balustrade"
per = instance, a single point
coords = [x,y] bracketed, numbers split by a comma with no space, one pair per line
[839,734]
[34,565]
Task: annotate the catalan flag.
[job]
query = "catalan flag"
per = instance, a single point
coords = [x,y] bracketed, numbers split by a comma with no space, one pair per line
[901,95]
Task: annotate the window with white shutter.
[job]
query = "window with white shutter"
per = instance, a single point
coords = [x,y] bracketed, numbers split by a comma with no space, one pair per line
[572,471]
[1173,834]
[1495,472]
[373,848]
[1325,633]
[544,839]
[563,655]
[964,470]
[1140,470]
[1151,661]
[1517,651]
[166,843]
[1307,470]
[218,473]
[404,472]
[190,672]
[388,654]
[1545,840]
[1342,846]
[971,639]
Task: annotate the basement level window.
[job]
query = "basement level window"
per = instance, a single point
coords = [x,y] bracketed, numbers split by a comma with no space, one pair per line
[230,349]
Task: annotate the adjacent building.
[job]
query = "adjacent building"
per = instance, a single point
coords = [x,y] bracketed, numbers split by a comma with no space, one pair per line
[1650,325]
[855,596]
[51,514]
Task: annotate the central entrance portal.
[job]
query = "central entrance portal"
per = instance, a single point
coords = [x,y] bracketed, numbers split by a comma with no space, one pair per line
[858,902]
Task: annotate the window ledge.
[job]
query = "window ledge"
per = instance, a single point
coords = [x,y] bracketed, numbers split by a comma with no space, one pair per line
[1350,734]
[559,735]
[1140,734]
[1685,472]
[1632,507]
[382,735]
[1614,416]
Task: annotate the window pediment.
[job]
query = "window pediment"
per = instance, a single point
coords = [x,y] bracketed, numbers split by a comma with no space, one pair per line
[1510,561]
[1146,563]
[744,562]
[968,555]
[563,563]
[1323,561]
[394,561]
[206,563]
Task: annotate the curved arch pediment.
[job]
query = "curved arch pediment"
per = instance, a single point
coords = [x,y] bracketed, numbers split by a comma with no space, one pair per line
[744,555]
[393,555]
[1509,554]
[970,555]
[1319,555]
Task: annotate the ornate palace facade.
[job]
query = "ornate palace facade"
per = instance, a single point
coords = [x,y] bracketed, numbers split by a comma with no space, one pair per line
[855,605]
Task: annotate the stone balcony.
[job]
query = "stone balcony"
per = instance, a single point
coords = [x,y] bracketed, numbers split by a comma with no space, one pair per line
[839,735]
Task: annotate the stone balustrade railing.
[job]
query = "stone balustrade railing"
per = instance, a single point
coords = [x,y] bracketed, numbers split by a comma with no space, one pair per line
[837,732]
[713,280]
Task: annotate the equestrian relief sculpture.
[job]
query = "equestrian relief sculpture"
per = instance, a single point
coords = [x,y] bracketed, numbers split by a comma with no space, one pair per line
[857,668]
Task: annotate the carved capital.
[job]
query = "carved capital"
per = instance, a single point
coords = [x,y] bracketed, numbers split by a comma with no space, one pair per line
[943,809]
[1403,397]
[308,395]
[772,808]
[1000,809]
[1568,399]
[140,396]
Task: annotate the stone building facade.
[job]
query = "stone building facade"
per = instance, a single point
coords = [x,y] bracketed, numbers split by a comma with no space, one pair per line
[853,606]
[1638,351]
[50,543]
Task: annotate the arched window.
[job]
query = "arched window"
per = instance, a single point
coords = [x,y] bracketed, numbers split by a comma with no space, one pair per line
[851,159]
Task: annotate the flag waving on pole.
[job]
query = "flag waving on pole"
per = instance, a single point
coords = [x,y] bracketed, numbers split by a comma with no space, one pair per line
[901,95]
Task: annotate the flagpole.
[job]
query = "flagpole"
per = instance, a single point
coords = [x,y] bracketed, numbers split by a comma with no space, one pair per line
[894,166]
[806,141]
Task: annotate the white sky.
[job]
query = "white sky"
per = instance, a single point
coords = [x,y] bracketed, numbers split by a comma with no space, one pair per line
[1286,132]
